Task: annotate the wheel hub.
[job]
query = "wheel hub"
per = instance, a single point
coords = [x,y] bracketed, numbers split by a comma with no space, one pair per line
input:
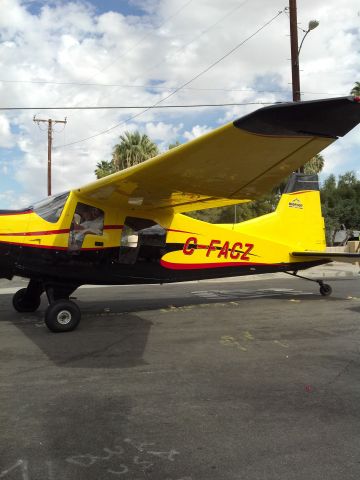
[64,317]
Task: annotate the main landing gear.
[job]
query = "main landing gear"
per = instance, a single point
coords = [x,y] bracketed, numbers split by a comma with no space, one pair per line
[28,299]
[325,289]
[62,314]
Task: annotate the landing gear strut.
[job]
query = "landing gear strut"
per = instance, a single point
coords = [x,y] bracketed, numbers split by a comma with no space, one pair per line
[325,289]
[62,314]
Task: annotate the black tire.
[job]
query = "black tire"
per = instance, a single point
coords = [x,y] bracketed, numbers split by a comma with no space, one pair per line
[23,302]
[325,290]
[62,316]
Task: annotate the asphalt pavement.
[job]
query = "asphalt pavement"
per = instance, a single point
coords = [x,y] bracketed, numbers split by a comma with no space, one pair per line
[210,380]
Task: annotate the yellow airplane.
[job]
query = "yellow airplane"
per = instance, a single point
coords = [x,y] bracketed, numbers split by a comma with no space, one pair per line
[129,227]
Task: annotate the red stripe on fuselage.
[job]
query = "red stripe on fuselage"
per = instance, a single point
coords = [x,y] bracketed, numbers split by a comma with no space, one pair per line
[113,227]
[30,234]
[53,232]
[180,231]
[198,266]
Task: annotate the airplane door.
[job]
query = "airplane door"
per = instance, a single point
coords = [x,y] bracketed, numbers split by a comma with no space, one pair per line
[86,229]
[142,241]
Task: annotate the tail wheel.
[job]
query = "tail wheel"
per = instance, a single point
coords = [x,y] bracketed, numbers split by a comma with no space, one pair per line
[23,302]
[62,316]
[325,290]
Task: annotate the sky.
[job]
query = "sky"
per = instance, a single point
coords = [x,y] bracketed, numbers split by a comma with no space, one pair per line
[59,53]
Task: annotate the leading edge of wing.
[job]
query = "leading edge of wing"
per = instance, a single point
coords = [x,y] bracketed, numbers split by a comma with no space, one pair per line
[237,162]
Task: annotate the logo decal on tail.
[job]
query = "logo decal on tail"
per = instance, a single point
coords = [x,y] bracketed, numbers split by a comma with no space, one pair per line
[296,204]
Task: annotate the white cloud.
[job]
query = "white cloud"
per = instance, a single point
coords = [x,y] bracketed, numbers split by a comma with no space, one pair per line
[6,138]
[197,131]
[163,132]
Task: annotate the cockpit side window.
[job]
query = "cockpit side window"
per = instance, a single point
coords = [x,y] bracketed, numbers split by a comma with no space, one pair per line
[132,227]
[51,208]
[87,220]
[142,240]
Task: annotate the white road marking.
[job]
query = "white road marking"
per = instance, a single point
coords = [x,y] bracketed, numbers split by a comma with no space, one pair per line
[245,293]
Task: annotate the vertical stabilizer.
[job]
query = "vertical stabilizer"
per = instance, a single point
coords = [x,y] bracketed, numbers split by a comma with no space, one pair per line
[299,212]
[297,220]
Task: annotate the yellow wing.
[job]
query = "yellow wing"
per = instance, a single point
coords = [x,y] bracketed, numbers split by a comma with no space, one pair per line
[235,163]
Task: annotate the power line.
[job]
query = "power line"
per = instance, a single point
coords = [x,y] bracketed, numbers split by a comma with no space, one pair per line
[164,87]
[286,11]
[129,107]
[140,41]
[182,86]
[149,86]
[183,47]
[206,30]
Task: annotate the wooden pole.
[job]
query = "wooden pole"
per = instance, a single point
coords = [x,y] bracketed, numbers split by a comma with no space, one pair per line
[295,73]
[50,123]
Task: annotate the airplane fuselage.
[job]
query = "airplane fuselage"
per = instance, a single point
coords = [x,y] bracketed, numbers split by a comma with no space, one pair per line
[48,246]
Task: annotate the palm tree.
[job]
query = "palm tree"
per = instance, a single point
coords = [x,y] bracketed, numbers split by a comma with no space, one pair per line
[133,148]
[315,165]
[311,167]
[104,168]
[356,89]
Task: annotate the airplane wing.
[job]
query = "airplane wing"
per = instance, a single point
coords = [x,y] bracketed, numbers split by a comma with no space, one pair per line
[235,163]
[343,257]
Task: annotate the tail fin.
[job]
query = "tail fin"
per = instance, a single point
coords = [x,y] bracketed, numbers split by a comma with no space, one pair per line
[297,220]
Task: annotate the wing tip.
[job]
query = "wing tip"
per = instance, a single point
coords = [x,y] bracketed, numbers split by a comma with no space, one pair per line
[333,117]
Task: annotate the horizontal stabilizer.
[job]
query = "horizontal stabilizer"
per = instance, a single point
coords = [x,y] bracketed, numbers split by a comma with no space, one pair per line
[331,256]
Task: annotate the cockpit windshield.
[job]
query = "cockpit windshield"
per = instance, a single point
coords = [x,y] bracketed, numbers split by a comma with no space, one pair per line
[51,208]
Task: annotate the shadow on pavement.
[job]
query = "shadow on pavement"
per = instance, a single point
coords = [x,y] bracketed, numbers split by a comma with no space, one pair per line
[113,333]
[113,341]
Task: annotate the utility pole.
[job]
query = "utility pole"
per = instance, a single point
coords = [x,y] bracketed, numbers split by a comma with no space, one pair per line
[295,52]
[295,73]
[295,49]
[50,123]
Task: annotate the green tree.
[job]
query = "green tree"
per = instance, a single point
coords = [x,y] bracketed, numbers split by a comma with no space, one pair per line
[104,168]
[240,212]
[262,206]
[173,145]
[133,149]
[340,203]
[356,89]
[315,165]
